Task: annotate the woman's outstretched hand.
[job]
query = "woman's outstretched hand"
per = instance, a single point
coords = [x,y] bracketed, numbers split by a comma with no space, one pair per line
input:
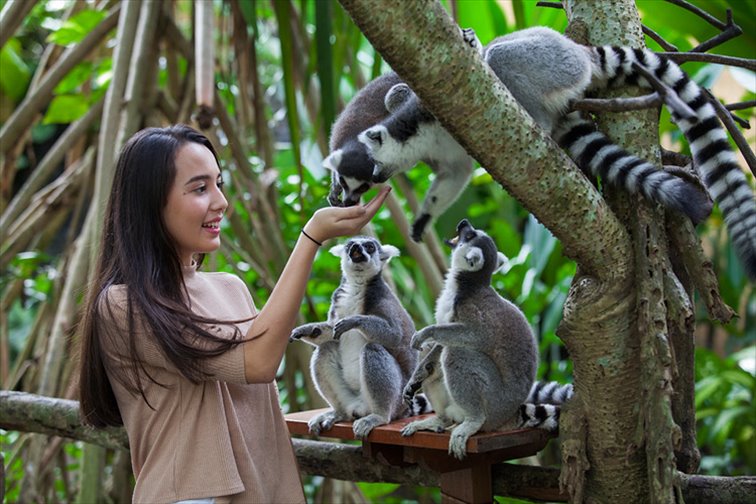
[331,222]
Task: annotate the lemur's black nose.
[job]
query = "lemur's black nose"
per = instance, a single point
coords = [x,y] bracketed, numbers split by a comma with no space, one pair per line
[356,254]
[379,178]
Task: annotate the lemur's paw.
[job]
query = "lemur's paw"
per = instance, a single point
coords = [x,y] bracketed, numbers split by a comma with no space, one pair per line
[343,326]
[410,390]
[471,39]
[305,332]
[364,426]
[458,445]
[334,199]
[419,339]
[418,227]
[409,429]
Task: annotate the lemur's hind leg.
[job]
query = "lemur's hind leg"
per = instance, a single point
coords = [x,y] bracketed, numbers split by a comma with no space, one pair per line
[382,384]
[326,369]
[477,391]
[424,370]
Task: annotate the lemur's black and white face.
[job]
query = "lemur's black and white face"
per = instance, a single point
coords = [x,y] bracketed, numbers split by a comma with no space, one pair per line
[351,174]
[363,257]
[474,250]
[397,143]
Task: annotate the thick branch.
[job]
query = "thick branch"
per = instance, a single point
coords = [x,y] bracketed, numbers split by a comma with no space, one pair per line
[458,88]
[55,417]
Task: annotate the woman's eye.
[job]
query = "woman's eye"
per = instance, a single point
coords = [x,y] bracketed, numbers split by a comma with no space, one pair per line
[201,189]
[220,184]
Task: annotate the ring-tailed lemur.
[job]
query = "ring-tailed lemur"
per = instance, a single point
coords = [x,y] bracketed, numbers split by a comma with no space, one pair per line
[545,71]
[363,356]
[348,159]
[483,356]
[352,167]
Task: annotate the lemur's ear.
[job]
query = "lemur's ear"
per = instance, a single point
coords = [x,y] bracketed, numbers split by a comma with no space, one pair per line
[501,262]
[387,252]
[333,160]
[337,250]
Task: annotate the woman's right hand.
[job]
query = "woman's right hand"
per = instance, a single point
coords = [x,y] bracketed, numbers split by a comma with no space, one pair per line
[331,222]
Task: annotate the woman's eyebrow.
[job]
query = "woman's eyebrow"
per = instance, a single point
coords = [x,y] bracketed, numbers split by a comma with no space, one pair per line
[198,178]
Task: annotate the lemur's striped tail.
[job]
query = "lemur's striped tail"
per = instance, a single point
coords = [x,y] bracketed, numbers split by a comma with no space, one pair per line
[713,158]
[419,405]
[549,392]
[541,416]
[596,154]
[543,405]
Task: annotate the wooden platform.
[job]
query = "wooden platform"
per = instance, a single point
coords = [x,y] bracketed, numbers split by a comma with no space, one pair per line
[467,480]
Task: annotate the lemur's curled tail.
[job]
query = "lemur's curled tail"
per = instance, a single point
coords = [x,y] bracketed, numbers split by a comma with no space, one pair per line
[419,405]
[713,158]
[596,154]
[544,403]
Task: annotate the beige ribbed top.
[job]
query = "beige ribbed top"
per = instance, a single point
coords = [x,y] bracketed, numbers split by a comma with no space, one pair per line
[221,437]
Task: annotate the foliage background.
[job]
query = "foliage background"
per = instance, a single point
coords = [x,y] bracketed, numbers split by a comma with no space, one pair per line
[309,59]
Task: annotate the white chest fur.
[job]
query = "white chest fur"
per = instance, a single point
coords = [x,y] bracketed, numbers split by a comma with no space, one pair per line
[351,302]
[445,302]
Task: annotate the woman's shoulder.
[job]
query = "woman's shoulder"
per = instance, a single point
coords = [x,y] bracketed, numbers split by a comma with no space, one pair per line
[223,278]
[222,284]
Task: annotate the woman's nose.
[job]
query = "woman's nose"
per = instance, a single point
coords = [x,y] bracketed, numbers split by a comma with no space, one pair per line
[220,202]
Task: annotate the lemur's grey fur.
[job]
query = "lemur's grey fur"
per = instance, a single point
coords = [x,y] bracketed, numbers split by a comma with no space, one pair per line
[483,356]
[350,165]
[545,71]
[363,356]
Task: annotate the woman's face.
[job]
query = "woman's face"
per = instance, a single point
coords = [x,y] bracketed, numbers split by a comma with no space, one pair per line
[196,203]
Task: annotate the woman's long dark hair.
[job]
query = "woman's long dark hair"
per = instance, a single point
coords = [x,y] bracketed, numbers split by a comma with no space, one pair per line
[136,251]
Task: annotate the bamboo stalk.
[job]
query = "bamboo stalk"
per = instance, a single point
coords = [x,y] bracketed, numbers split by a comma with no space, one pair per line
[11,17]
[48,164]
[25,113]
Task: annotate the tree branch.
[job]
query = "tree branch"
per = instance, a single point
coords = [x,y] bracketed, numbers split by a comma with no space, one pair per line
[24,412]
[682,57]
[727,119]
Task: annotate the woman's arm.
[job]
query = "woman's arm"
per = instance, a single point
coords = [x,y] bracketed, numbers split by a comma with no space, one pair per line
[271,328]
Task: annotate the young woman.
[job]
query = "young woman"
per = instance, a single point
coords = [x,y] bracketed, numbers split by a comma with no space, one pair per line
[178,356]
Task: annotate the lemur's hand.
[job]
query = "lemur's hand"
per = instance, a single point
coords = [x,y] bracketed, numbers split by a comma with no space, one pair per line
[314,333]
[421,337]
[304,332]
[334,221]
[345,325]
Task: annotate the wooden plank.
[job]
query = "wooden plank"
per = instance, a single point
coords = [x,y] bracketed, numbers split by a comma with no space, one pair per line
[471,485]
[530,440]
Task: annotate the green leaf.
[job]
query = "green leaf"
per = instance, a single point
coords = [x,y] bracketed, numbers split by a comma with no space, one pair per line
[66,109]
[15,76]
[77,27]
